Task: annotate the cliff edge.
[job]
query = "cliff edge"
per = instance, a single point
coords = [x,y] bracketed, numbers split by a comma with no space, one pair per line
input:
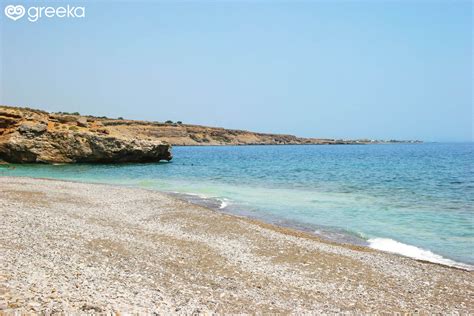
[31,136]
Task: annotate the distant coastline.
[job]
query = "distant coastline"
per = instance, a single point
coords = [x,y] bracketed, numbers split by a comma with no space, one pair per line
[35,123]
[182,134]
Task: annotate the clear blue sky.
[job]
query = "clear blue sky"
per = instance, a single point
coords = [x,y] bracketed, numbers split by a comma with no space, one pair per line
[353,69]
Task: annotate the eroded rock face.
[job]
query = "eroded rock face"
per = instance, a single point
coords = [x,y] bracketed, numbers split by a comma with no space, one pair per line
[28,136]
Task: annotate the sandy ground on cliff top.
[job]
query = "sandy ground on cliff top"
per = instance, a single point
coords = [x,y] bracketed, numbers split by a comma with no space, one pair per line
[75,247]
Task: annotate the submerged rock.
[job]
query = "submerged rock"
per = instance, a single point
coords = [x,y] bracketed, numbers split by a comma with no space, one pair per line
[28,136]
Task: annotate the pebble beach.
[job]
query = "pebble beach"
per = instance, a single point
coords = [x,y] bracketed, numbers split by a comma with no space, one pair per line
[70,247]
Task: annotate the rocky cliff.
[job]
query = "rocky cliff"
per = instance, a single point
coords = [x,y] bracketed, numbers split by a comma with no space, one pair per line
[195,135]
[28,136]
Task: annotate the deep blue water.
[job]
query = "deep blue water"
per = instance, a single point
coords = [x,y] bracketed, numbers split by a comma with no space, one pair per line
[414,199]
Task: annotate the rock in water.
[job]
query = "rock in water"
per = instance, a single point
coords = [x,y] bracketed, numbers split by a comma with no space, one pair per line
[29,136]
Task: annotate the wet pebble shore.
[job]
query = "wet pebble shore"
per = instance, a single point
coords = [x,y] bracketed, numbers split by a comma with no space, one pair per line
[72,247]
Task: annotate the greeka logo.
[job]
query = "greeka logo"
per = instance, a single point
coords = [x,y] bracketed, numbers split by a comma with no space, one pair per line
[16,12]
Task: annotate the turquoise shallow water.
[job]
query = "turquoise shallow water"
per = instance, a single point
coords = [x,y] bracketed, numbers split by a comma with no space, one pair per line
[413,199]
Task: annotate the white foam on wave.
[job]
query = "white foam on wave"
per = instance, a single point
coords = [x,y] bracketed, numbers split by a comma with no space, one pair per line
[199,195]
[393,246]
[224,204]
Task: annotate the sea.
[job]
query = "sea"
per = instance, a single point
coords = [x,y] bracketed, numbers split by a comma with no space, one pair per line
[416,200]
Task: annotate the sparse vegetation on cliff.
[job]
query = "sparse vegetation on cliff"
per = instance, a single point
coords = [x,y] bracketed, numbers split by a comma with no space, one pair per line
[130,132]
[28,136]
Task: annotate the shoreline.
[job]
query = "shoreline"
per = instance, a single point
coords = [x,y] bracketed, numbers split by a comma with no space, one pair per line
[365,243]
[408,142]
[152,230]
[36,136]
[334,237]
[292,226]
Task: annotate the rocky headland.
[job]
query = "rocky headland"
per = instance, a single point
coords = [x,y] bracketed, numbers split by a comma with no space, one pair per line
[32,136]
[29,135]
